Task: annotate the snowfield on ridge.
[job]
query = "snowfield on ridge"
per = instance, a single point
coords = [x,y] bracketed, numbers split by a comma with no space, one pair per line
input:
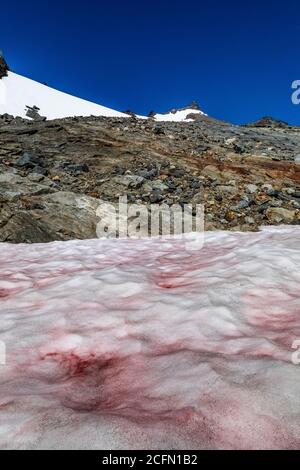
[17,92]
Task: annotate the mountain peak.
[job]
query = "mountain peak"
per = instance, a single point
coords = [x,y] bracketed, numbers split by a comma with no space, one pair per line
[3,66]
[268,121]
[193,105]
[189,113]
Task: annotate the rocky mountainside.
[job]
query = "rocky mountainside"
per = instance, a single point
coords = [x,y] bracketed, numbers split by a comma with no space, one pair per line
[52,173]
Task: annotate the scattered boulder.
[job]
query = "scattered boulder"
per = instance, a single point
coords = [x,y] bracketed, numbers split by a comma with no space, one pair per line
[130,181]
[33,113]
[243,204]
[239,149]
[11,178]
[279,215]
[196,184]
[29,161]
[212,172]
[148,174]
[58,216]
[251,188]
[227,189]
[13,187]
[156,185]
[39,170]
[78,169]
[156,197]
[176,172]
[250,220]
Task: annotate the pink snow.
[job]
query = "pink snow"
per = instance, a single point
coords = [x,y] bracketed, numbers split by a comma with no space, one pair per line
[126,344]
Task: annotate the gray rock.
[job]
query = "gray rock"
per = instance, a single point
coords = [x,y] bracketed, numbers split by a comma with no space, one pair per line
[130,181]
[24,227]
[273,193]
[238,148]
[280,215]
[289,191]
[176,173]
[227,189]
[58,216]
[78,169]
[156,185]
[267,187]
[156,197]
[14,191]
[196,184]
[251,188]
[202,148]
[147,174]
[212,172]
[243,204]
[69,199]
[119,170]
[29,161]
[198,198]
[11,178]
[35,177]
[33,113]
[39,170]
[250,220]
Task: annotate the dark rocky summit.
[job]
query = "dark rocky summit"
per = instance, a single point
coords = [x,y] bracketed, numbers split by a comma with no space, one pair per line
[193,105]
[53,173]
[268,121]
[3,66]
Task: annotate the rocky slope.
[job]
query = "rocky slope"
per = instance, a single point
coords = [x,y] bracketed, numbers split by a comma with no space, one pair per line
[52,173]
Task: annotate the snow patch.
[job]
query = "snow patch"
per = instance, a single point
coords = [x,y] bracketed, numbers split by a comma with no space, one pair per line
[178,116]
[17,92]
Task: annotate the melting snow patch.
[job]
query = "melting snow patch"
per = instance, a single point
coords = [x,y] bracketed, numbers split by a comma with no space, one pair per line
[142,344]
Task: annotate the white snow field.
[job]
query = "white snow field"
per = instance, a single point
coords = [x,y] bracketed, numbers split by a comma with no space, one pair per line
[179,115]
[17,92]
[126,344]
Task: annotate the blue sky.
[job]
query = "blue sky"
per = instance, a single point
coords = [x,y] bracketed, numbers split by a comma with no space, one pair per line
[238,59]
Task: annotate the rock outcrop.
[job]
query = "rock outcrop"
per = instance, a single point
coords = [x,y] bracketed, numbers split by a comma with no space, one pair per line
[3,67]
[268,121]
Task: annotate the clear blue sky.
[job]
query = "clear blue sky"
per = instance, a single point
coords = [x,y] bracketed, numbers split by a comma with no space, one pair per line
[238,59]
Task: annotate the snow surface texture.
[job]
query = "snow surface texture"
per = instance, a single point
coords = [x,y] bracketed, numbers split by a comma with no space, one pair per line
[179,116]
[142,344]
[17,92]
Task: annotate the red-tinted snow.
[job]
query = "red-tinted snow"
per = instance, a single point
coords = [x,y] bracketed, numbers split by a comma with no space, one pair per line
[143,344]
